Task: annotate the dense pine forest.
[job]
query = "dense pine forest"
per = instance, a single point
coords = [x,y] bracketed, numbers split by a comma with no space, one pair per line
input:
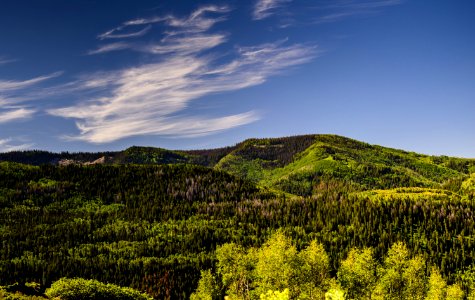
[341,219]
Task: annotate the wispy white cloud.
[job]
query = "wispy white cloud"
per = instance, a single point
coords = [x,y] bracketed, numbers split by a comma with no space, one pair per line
[152,98]
[112,34]
[357,4]
[305,13]
[7,146]
[14,114]
[4,60]
[109,48]
[196,22]
[7,101]
[186,44]
[336,10]
[148,99]
[141,21]
[15,92]
[266,8]
[9,85]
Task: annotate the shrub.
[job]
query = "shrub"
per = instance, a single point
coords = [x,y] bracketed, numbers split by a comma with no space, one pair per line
[83,289]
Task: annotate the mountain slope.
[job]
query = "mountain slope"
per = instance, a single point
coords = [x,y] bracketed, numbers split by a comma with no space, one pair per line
[324,159]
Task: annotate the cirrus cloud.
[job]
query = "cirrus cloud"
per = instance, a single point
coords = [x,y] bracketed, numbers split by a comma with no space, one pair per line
[10,85]
[152,98]
[266,8]
[15,92]
[14,114]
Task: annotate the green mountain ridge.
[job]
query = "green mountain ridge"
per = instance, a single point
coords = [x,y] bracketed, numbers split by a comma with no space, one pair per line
[299,165]
[341,160]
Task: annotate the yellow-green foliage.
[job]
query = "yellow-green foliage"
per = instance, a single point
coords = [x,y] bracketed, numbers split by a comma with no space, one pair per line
[275,263]
[413,193]
[278,266]
[4,295]
[454,292]
[400,277]
[357,273]
[312,159]
[207,287]
[439,290]
[335,292]
[80,289]
[469,184]
[28,291]
[235,266]
[275,295]
[437,286]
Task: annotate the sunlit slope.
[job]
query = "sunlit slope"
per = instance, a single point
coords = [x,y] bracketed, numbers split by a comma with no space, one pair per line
[303,164]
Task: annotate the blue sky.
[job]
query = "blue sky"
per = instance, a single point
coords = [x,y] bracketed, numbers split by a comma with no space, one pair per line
[84,75]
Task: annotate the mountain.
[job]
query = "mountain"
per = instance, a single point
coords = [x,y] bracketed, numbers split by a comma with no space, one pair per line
[299,165]
[152,218]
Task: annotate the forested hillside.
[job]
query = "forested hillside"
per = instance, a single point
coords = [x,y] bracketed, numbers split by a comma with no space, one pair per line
[138,226]
[152,219]
[299,165]
[296,165]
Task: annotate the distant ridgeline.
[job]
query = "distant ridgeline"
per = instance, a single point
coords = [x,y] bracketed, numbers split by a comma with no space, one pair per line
[152,219]
[132,155]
